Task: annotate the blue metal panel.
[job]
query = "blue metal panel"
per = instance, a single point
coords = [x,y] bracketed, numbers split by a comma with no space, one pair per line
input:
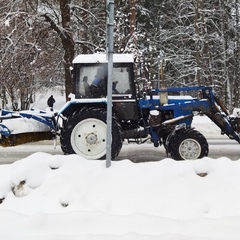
[4,130]
[179,106]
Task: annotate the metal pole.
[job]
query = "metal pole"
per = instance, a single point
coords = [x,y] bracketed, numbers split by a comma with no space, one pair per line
[110,28]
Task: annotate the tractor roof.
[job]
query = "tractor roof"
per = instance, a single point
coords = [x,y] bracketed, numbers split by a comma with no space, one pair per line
[102,58]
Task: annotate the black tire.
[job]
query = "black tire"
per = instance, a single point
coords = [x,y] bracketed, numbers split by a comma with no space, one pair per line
[188,144]
[85,134]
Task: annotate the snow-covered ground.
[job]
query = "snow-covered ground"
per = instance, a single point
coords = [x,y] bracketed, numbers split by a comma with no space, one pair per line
[55,197]
[40,100]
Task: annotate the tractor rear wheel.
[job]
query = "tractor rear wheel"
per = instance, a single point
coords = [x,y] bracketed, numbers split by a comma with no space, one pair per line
[85,134]
[188,144]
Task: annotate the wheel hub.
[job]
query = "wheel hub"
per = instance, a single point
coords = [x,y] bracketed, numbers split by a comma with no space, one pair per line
[190,149]
[91,138]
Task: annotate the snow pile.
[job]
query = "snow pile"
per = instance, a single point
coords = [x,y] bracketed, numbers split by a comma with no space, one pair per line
[57,197]
[68,197]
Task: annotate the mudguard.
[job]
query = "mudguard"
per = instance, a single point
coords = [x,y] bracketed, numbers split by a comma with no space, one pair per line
[177,128]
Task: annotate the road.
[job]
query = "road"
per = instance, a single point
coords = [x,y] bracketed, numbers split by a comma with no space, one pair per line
[218,147]
[146,152]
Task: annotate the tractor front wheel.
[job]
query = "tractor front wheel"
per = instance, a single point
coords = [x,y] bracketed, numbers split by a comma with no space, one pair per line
[85,134]
[188,144]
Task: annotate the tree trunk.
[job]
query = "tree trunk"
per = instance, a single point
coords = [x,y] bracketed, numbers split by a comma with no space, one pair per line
[68,44]
[237,57]
[84,28]
[197,44]
[132,16]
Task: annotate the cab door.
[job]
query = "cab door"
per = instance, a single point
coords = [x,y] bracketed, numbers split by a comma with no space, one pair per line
[124,93]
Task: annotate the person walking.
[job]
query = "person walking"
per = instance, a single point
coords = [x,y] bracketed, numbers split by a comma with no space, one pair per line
[50,102]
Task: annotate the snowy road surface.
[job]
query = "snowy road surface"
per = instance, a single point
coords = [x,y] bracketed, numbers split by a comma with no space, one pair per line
[218,147]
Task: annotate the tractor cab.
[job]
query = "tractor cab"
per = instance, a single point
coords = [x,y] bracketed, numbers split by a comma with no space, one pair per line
[90,76]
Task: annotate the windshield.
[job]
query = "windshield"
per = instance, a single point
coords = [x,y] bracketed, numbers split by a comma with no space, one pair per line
[91,81]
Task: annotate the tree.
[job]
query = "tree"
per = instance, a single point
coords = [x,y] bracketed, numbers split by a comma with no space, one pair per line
[197,40]
[54,31]
[236,52]
[29,51]
[65,34]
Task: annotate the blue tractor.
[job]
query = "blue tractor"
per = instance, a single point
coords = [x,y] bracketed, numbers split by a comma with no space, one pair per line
[139,114]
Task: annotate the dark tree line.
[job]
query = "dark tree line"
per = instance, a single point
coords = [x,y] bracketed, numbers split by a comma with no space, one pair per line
[195,42]
[199,41]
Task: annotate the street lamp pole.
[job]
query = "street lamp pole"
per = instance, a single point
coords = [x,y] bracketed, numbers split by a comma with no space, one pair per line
[110,29]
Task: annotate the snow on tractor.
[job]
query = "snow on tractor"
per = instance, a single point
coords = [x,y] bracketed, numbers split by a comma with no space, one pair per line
[162,116]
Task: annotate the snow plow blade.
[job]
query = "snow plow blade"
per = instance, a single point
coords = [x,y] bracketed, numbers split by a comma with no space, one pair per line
[26,126]
[22,138]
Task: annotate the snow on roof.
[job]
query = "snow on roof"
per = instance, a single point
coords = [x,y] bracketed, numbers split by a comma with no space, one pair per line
[102,58]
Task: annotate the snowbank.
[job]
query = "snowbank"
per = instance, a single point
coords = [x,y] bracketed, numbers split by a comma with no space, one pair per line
[68,197]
